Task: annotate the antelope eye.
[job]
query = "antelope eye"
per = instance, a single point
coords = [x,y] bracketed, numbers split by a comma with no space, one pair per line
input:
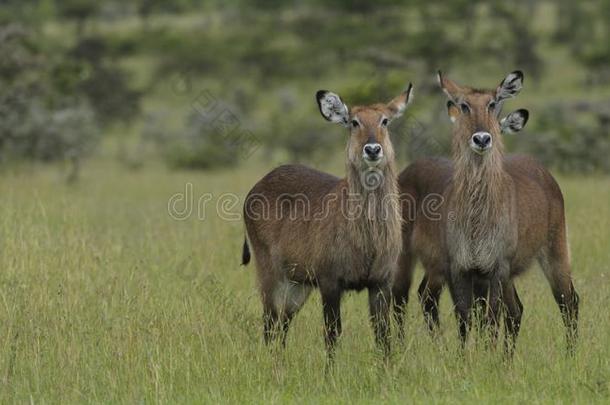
[492,106]
[384,122]
[464,107]
[355,124]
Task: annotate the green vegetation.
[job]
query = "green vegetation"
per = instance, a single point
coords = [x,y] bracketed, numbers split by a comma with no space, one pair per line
[106,298]
[136,70]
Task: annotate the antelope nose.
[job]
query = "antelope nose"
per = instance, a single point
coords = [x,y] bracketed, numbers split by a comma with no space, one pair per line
[482,139]
[372,151]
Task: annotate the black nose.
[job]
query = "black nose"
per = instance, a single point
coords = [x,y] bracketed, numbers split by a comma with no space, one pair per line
[372,150]
[481,139]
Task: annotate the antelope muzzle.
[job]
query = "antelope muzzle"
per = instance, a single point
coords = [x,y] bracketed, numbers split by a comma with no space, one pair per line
[372,153]
[480,142]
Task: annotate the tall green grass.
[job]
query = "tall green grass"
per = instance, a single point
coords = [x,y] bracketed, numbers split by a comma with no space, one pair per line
[105,298]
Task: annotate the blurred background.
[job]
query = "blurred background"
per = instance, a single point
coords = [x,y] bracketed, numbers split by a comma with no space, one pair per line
[131,129]
[210,84]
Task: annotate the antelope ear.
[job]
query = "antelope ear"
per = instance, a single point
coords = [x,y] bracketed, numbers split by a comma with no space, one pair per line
[514,122]
[510,86]
[399,104]
[452,110]
[449,87]
[332,108]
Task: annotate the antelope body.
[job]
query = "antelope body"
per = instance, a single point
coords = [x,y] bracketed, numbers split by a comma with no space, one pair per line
[499,214]
[311,229]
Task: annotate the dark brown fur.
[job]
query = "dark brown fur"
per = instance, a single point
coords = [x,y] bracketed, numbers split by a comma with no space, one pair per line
[302,237]
[499,214]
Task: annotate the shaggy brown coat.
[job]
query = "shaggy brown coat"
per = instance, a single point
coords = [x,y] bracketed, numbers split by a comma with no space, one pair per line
[311,229]
[499,213]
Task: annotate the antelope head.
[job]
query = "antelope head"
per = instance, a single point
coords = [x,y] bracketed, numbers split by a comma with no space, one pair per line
[369,145]
[475,114]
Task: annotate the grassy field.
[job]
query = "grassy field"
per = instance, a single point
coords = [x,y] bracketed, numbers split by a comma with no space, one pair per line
[105,297]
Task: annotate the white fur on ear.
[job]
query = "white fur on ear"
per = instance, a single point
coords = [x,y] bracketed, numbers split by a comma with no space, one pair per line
[332,108]
[449,87]
[400,103]
[510,86]
[514,122]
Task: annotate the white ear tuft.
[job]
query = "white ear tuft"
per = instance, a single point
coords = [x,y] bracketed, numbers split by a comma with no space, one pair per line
[399,104]
[510,86]
[409,92]
[514,122]
[332,108]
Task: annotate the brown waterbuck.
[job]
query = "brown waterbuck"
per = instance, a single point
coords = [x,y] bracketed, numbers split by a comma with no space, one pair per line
[311,229]
[422,185]
[499,213]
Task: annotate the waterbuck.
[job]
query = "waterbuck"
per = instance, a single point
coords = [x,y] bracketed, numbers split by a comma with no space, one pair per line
[311,229]
[422,185]
[499,213]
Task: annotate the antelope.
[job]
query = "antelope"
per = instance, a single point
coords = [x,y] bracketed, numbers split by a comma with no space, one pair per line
[500,212]
[310,229]
[417,189]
